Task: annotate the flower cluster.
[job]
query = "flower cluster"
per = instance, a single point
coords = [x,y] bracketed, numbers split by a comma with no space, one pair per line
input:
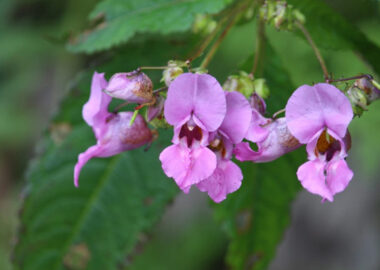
[211,125]
[207,123]
[113,132]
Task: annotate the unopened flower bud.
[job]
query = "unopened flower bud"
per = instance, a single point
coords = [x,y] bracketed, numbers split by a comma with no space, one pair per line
[281,12]
[258,103]
[242,83]
[135,87]
[298,16]
[267,11]
[261,88]
[173,71]
[358,100]
[200,70]
[203,24]
[367,85]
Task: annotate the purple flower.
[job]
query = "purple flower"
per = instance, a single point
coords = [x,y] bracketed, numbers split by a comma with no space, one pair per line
[227,176]
[318,116]
[272,137]
[112,130]
[195,107]
[135,87]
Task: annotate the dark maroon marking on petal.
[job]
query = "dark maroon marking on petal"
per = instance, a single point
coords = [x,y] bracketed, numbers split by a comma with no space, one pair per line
[190,134]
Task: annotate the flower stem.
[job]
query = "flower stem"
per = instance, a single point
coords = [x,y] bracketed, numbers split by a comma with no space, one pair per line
[208,40]
[274,116]
[260,45]
[315,49]
[152,68]
[217,43]
[369,77]
[118,107]
[231,17]
[135,113]
[160,90]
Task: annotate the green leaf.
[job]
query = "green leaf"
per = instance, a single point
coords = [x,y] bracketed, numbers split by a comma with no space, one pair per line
[98,224]
[123,19]
[331,30]
[256,216]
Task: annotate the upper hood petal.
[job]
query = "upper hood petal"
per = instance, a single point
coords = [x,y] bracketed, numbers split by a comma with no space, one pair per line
[198,94]
[312,108]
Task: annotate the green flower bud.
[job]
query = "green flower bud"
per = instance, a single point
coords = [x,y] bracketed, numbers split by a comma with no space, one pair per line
[367,85]
[376,84]
[173,71]
[298,16]
[358,100]
[261,88]
[281,14]
[242,83]
[203,24]
[200,70]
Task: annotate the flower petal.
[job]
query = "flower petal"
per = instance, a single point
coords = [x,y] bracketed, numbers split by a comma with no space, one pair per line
[312,108]
[187,166]
[83,158]
[338,176]
[95,110]
[120,136]
[200,94]
[226,179]
[256,131]
[278,142]
[238,117]
[312,178]
[135,87]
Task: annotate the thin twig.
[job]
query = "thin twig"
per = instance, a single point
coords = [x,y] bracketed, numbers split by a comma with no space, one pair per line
[217,43]
[260,44]
[160,90]
[208,40]
[152,68]
[315,49]
[368,76]
[118,107]
[274,116]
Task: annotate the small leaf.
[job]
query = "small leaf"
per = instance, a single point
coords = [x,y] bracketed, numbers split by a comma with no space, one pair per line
[123,19]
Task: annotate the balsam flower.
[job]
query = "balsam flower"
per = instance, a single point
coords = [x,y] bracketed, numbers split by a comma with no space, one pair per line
[195,107]
[272,137]
[134,87]
[227,176]
[318,116]
[112,130]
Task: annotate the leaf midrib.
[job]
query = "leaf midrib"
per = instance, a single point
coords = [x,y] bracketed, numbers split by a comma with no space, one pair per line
[87,209]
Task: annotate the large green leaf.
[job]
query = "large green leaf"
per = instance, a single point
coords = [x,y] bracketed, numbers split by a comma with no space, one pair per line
[123,19]
[256,216]
[120,198]
[331,30]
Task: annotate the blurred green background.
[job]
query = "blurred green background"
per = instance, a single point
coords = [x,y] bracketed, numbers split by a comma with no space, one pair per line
[36,71]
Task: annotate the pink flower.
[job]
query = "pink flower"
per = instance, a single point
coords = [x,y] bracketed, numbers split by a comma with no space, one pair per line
[135,87]
[227,176]
[272,137]
[318,116]
[195,107]
[112,130]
